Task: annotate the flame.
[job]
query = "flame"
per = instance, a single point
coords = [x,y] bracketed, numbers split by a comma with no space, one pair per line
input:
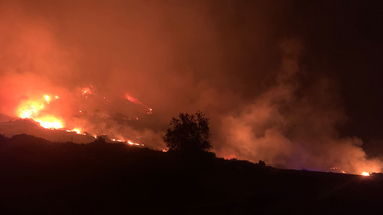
[130,142]
[76,130]
[47,98]
[133,99]
[51,122]
[29,109]
[136,101]
[118,140]
[32,108]
[365,174]
[37,109]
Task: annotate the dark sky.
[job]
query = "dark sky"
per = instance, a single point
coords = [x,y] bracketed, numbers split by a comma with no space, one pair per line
[346,42]
[292,82]
[342,39]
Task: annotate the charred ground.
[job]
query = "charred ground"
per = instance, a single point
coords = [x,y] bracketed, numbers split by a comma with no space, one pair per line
[43,177]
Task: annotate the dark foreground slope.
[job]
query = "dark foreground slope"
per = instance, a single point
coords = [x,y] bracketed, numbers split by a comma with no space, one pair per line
[40,177]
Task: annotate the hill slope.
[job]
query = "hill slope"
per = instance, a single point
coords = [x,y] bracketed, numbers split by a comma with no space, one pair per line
[38,176]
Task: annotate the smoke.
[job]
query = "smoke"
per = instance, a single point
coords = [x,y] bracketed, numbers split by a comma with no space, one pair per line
[286,126]
[143,63]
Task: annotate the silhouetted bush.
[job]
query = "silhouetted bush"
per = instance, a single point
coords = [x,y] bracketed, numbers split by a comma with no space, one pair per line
[101,139]
[188,133]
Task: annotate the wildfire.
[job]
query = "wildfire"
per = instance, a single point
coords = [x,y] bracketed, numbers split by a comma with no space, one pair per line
[76,130]
[365,174]
[138,102]
[29,109]
[38,110]
[51,122]
[32,108]
[133,143]
[130,142]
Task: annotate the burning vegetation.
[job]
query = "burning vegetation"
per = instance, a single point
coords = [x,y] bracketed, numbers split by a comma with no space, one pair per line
[50,111]
[264,100]
[34,109]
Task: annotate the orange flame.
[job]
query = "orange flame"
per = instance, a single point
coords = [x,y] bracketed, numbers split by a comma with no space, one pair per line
[31,109]
[36,110]
[136,101]
[76,130]
[133,99]
[51,122]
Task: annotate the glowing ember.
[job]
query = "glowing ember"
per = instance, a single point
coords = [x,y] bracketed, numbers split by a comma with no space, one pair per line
[365,174]
[47,98]
[118,140]
[86,91]
[133,143]
[133,99]
[138,102]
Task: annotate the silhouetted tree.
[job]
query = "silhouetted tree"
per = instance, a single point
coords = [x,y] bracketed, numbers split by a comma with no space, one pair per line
[261,163]
[188,133]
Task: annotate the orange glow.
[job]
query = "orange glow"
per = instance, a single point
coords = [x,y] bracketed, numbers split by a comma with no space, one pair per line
[31,109]
[118,140]
[133,143]
[133,99]
[130,142]
[76,130]
[86,91]
[38,109]
[51,122]
[138,102]
[365,174]
[47,98]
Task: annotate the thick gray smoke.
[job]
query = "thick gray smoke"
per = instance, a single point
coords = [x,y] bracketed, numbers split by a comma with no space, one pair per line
[226,58]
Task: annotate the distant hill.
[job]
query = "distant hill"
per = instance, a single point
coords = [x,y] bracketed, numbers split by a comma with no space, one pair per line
[43,177]
[13,127]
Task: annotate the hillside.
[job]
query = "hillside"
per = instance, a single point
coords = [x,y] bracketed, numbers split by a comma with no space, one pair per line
[42,177]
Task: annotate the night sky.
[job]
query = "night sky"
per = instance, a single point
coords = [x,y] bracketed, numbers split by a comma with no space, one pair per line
[345,42]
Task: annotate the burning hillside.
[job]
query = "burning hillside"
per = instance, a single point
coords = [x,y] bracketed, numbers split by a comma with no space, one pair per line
[126,73]
[57,112]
